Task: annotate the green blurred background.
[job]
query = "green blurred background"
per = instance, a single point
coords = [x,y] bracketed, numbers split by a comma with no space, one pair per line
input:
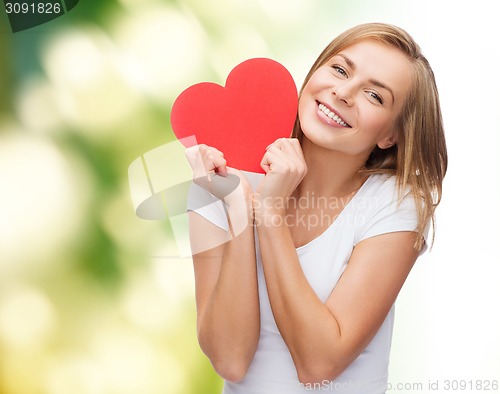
[89,302]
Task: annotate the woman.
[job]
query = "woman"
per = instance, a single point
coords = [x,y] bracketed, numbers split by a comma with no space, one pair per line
[302,296]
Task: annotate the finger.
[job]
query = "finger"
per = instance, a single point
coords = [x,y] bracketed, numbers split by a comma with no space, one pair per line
[207,163]
[265,163]
[280,160]
[291,147]
[286,146]
[213,161]
[211,148]
[218,151]
[298,155]
[295,143]
[277,143]
[284,153]
[269,161]
[220,165]
[196,162]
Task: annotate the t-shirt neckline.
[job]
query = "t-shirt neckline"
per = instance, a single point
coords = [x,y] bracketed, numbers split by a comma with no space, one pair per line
[332,226]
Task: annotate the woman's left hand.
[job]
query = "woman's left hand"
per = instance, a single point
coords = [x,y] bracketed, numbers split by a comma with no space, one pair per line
[285,168]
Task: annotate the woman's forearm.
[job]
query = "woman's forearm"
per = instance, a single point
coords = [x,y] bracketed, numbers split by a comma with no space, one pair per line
[229,328]
[308,328]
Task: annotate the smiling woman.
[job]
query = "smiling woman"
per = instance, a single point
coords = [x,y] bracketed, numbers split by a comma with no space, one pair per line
[355,98]
[416,153]
[296,301]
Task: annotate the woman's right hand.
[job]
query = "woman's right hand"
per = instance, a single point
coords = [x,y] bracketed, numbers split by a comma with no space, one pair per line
[211,172]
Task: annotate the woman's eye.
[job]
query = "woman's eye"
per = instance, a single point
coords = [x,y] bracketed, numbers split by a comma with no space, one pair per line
[340,70]
[376,97]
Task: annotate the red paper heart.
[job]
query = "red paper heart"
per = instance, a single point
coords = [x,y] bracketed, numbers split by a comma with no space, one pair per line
[257,106]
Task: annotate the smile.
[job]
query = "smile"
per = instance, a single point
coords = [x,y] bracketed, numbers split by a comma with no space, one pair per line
[332,115]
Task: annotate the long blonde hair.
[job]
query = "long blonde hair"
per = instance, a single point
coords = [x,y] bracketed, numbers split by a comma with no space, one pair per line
[419,159]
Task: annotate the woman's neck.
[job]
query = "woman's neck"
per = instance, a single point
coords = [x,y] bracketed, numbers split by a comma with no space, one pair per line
[330,173]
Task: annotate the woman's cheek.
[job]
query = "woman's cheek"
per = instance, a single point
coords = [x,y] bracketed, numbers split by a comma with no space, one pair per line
[374,122]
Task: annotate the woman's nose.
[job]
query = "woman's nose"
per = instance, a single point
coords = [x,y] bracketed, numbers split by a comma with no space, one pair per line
[343,93]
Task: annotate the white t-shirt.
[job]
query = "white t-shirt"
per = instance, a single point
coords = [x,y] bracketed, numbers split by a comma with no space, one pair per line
[372,211]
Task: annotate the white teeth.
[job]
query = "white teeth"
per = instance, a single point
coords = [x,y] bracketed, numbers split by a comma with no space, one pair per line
[331,115]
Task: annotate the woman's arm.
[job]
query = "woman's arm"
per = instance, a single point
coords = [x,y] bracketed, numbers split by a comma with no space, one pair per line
[324,339]
[228,322]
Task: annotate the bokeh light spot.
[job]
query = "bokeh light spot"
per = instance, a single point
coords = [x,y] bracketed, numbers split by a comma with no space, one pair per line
[27,317]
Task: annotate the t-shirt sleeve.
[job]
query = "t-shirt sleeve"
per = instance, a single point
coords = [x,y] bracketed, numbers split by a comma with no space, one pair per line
[387,215]
[207,205]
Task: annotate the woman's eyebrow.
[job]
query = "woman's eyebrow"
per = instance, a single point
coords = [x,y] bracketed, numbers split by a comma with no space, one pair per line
[381,85]
[351,64]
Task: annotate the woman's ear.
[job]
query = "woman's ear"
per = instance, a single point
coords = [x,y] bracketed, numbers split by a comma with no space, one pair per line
[388,142]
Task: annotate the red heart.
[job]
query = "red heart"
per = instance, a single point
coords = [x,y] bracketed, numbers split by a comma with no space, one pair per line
[257,106]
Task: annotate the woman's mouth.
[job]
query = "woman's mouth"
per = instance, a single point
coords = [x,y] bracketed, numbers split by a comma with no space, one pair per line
[332,115]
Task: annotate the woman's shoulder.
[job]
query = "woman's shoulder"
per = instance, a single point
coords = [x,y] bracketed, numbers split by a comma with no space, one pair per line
[383,190]
[379,186]
[383,208]
[381,182]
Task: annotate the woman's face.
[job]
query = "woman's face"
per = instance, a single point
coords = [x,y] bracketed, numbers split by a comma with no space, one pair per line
[351,103]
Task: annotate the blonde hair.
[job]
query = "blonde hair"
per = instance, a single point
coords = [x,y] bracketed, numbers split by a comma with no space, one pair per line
[419,159]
